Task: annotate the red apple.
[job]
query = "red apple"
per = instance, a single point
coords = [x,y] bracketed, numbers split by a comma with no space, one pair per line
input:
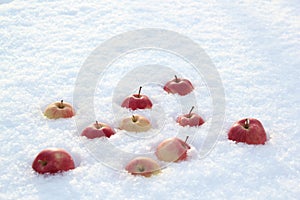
[96,130]
[143,166]
[179,86]
[59,110]
[172,150]
[53,160]
[137,101]
[249,131]
[190,119]
[136,123]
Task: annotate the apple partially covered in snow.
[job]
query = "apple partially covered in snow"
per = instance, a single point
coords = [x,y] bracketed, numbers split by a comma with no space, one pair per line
[53,160]
[249,130]
[97,129]
[136,123]
[190,119]
[172,150]
[59,110]
[137,101]
[143,166]
[179,86]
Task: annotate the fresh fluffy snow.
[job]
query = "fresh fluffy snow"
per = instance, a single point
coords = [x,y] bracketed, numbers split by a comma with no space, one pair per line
[254,46]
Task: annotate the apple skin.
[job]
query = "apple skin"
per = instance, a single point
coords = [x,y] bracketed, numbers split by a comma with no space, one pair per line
[190,119]
[143,166]
[139,124]
[179,86]
[172,150]
[137,101]
[97,130]
[55,110]
[53,160]
[253,134]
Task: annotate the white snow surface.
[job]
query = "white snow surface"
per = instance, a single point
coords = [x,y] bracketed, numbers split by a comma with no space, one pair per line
[255,46]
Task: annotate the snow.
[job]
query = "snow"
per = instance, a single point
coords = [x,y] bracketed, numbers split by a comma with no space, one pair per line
[253,45]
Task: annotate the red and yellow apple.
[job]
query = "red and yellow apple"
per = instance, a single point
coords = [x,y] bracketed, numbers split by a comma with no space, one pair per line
[172,150]
[97,130]
[248,130]
[135,123]
[53,160]
[59,110]
[137,101]
[190,119]
[143,166]
[179,86]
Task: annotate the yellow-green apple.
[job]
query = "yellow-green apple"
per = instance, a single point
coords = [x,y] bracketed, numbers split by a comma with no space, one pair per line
[137,101]
[96,130]
[248,130]
[179,86]
[53,160]
[190,119]
[59,110]
[172,150]
[135,123]
[143,166]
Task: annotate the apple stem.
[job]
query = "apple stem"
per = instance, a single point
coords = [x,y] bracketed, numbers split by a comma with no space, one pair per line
[61,104]
[190,113]
[176,79]
[187,137]
[141,168]
[247,123]
[140,91]
[98,125]
[43,162]
[133,118]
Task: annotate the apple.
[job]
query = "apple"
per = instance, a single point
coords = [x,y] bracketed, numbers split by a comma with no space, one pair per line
[172,150]
[137,101]
[59,110]
[53,160]
[249,130]
[179,86]
[96,130]
[190,119]
[136,123]
[143,166]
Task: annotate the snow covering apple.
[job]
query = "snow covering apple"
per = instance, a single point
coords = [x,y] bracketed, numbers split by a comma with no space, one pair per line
[97,130]
[59,110]
[53,160]
[135,123]
[137,101]
[143,166]
[190,119]
[179,86]
[172,150]
[249,130]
